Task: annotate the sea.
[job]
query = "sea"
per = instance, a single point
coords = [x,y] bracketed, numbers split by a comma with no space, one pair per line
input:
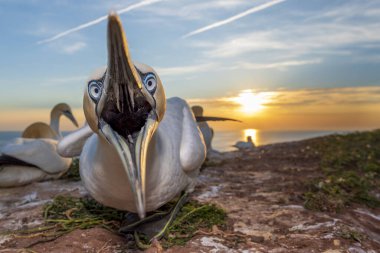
[224,140]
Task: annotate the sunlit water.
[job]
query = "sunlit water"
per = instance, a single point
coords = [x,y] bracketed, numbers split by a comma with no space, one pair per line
[223,140]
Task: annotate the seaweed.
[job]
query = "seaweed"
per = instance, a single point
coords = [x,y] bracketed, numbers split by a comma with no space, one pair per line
[193,217]
[66,214]
[73,172]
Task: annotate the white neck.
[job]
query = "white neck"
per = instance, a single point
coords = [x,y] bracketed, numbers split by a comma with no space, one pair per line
[54,121]
[106,180]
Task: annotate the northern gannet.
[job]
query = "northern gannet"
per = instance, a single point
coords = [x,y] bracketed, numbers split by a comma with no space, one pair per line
[207,131]
[245,145]
[34,157]
[43,130]
[144,150]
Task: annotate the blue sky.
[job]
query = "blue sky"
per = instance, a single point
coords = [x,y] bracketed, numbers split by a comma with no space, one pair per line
[280,45]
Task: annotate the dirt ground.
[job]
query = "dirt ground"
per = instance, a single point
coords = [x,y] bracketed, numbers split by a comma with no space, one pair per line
[261,192]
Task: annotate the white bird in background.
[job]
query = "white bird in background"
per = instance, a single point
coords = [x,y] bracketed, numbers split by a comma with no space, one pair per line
[207,131]
[34,157]
[245,145]
[144,150]
[43,130]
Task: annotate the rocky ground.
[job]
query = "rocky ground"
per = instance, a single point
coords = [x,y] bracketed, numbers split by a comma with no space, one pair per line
[261,192]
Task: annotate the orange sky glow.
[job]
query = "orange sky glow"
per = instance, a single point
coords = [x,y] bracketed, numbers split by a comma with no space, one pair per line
[351,108]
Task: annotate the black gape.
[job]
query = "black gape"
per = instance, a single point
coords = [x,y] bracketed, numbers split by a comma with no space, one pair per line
[129,118]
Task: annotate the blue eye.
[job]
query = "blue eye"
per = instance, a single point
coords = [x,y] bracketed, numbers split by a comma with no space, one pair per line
[150,83]
[95,90]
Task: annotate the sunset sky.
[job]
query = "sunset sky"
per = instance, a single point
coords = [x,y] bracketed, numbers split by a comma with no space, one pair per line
[274,64]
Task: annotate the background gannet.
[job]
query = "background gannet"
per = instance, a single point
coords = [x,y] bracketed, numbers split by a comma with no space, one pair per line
[207,131]
[34,157]
[144,150]
[52,131]
[245,145]
[28,160]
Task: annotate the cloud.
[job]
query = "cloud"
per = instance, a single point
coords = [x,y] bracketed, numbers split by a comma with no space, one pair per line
[339,30]
[63,80]
[234,18]
[74,47]
[296,40]
[276,65]
[192,10]
[175,71]
[349,10]
[206,67]
[306,98]
[338,97]
[244,43]
[99,20]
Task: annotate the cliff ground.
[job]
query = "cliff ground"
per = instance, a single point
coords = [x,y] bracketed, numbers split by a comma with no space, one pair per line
[318,195]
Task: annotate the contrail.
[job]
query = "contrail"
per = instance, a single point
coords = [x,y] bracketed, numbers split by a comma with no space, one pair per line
[233,18]
[98,20]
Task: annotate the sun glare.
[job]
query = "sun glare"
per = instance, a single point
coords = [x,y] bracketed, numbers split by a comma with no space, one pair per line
[252,102]
[252,133]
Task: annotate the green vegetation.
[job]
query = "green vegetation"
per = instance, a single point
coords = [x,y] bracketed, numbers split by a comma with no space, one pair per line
[73,172]
[351,172]
[192,218]
[81,213]
[65,214]
[350,234]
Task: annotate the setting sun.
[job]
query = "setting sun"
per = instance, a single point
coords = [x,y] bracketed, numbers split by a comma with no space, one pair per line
[252,102]
[252,133]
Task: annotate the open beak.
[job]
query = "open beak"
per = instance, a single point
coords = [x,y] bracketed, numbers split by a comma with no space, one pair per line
[126,117]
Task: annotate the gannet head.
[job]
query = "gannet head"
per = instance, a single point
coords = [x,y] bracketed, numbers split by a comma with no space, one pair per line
[64,109]
[124,105]
[197,110]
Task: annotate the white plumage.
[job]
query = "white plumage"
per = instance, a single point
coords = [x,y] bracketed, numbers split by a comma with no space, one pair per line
[144,149]
[207,131]
[51,131]
[245,145]
[41,153]
[34,157]
[208,134]
[174,157]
